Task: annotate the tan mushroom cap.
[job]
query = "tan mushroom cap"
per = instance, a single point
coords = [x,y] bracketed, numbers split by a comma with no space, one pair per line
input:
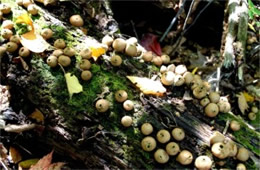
[147,128]
[185,157]
[203,162]
[161,156]
[163,136]
[148,143]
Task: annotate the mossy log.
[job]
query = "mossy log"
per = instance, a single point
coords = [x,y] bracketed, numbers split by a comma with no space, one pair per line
[88,139]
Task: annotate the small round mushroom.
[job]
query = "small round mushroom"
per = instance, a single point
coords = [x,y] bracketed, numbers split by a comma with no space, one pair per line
[234,125]
[85,64]
[214,97]
[163,69]
[243,154]
[8,24]
[107,40]
[128,105]
[161,156]
[168,78]
[16,39]
[24,52]
[46,33]
[252,116]
[148,143]
[180,69]
[1,15]
[68,51]
[32,9]
[157,61]
[220,150]
[2,51]
[102,105]
[5,8]
[178,80]
[185,157]
[57,52]
[188,77]
[11,47]
[119,44]
[147,128]
[126,121]
[60,43]
[232,148]
[241,166]
[254,109]
[165,59]
[19,2]
[178,134]
[163,136]
[26,3]
[203,162]
[6,33]
[216,137]
[121,96]
[171,67]
[131,50]
[64,60]
[224,106]
[204,102]
[52,61]
[199,92]
[116,60]
[86,53]
[211,110]
[86,75]
[147,56]
[132,40]
[196,82]
[172,148]
[76,20]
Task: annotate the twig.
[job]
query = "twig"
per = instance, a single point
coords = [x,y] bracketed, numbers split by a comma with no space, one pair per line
[3,165]
[135,32]
[19,128]
[188,15]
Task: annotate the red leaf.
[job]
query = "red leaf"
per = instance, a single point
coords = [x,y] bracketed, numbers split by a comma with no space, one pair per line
[150,43]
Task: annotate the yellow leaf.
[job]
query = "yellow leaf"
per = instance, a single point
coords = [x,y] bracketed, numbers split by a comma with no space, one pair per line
[28,163]
[25,18]
[242,103]
[97,52]
[73,84]
[36,45]
[194,70]
[15,155]
[37,115]
[248,97]
[251,27]
[148,86]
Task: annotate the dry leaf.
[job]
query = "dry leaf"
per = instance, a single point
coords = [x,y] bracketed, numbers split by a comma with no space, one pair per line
[242,104]
[194,70]
[24,64]
[15,154]
[97,52]
[28,163]
[73,84]
[148,86]
[249,98]
[56,166]
[38,116]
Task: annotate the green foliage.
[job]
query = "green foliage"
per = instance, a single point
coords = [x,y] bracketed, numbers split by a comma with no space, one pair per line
[252,10]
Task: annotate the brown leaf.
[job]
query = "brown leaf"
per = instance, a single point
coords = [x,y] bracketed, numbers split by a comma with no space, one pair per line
[56,166]
[37,115]
[15,154]
[43,163]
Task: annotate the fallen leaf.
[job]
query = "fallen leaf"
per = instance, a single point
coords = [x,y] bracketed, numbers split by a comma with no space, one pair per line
[242,103]
[148,86]
[56,166]
[150,43]
[38,116]
[15,154]
[251,27]
[24,64]
[97,52]
[3,151]
[194,70]
[28,163]
[248,97]
[73,84]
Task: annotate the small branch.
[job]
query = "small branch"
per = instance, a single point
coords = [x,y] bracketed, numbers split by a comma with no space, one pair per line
[19,128]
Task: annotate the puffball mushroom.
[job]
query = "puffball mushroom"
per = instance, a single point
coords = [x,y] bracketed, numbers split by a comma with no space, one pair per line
[19,2]
[119,44]
[163,69]
[8,24]
[86,75]
[121,95]
[11,47]
[85,64]
[68,51]
[168,78]
[146,128]
[180,69]
[224,106]
[252,116]
[161,156]
[254,109]
[24,52]
[126,121]
[57,52]
[32,9]
[128,105]
[86,53]
[203,162]
[107,40]
[6,33]
[243,154]
[5,8]
[204,102]
[178,80]
[26,3]
[163,136]
[46,33]
[60,43]
[102,105]
[214,97]
[234,125]
[185,157]
[76,21]
[232,148]
[16,39]
[188,77]
[216,137]
[220,150]
[148,144]
[211,110]
[171,67]
[132,40]
[2,51]
[147,56]
[199,92]
[165,59]
[157,61]
[172,148]
[64,60]
[178,134]
[52,61]
[241,166]
[131,50]
[196,82]
[116,60]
